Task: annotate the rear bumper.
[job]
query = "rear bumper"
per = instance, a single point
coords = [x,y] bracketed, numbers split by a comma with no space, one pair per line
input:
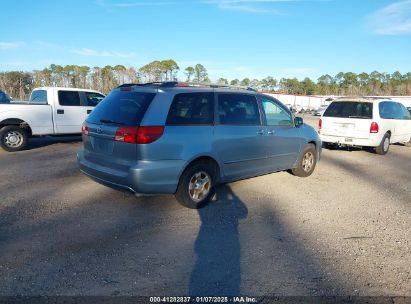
[373,141]
[146,177]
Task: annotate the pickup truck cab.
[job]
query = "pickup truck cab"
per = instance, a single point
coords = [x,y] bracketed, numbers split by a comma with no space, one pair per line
[50,111]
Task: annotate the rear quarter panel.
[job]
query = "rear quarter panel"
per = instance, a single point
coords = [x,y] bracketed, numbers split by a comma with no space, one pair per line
[38,117]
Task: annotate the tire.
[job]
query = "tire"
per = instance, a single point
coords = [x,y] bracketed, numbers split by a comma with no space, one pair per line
[202,174]
[307,162]
[13,138]
[329,146]
[408,143]
[384,146]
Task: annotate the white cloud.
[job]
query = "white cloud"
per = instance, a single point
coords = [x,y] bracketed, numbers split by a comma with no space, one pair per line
[152,3]
[394,19]
[251,6]
[96,53]
[10,45]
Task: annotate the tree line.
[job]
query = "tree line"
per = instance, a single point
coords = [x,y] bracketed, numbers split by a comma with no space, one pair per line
[19,84]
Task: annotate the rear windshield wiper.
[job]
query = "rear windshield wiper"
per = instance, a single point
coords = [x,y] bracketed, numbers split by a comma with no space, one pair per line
[354,116]
[111,121]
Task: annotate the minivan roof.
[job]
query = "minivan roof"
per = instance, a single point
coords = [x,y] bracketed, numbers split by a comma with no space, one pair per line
[186,85]
[361,99]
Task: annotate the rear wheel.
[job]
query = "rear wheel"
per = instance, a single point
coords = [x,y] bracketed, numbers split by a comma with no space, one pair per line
[384,146]
[195,188]
[307,162]
[13,138]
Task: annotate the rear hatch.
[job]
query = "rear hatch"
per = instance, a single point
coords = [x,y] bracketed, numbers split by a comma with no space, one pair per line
[122,109]
[350,119]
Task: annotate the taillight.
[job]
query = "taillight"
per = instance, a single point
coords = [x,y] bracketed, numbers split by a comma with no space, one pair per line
[126,134]
[148,135]
[320,124]
[84,129]
[374,127]
[139,135]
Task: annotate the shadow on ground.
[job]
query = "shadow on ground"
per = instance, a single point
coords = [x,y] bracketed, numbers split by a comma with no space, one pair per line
[39,142]
[217,269]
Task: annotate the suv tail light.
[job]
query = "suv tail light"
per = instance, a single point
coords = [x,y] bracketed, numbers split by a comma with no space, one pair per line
[84,129]
[139,135]
[320,124]
[374,127]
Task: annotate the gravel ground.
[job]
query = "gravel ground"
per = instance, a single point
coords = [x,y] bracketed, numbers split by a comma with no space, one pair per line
[343,231]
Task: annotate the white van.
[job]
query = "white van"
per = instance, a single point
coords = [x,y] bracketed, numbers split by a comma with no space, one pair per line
[366,123]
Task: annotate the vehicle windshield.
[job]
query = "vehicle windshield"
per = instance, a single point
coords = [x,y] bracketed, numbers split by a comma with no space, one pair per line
[121,108]
[4,98]
[349,109]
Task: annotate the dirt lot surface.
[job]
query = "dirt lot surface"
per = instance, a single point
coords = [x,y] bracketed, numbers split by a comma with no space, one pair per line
[346,230]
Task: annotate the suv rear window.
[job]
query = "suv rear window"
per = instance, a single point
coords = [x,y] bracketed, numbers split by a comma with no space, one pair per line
[122,108]
[349,109]
[191,109]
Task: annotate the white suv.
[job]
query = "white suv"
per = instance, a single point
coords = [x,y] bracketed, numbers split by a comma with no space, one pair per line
[366,123]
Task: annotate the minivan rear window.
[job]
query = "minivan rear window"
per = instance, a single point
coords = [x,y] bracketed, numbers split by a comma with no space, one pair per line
[349,109]
[121,108]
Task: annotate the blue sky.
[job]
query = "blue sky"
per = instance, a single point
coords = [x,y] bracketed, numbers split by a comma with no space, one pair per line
[231,38]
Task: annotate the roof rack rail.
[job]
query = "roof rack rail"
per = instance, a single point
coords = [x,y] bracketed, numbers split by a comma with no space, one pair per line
[170,84]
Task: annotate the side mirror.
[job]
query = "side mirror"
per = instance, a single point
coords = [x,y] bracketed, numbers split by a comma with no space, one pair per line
[298,121]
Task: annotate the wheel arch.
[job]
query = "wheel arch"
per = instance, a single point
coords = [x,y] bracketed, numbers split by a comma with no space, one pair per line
[204,158]
[17,122]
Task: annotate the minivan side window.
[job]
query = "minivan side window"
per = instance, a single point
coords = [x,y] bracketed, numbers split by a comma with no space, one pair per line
[69,98]
[92,99]
[276,115]
[39,96]
[406,115]
[238,109]
[191,109]
[390,110]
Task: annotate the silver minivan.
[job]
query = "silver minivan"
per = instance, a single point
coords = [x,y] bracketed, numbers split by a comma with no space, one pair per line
[179,138]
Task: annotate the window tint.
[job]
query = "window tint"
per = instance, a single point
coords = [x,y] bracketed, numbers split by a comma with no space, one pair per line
[191,109]
[69,98]
[349,109]
[238,109]
[275,115]
[4,98]
[39,96]
[92,99]
[404,112]
[392,110]
[123,108]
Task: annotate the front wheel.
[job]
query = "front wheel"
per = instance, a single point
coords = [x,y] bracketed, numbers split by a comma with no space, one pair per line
[196,184]
[306,163]
[382,149]
[13,138]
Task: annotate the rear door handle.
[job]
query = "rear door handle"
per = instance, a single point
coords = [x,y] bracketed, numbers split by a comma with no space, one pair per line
[89,111]
[59,111]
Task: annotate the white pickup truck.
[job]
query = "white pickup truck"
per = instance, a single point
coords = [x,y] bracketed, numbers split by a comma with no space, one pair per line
[50,111]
